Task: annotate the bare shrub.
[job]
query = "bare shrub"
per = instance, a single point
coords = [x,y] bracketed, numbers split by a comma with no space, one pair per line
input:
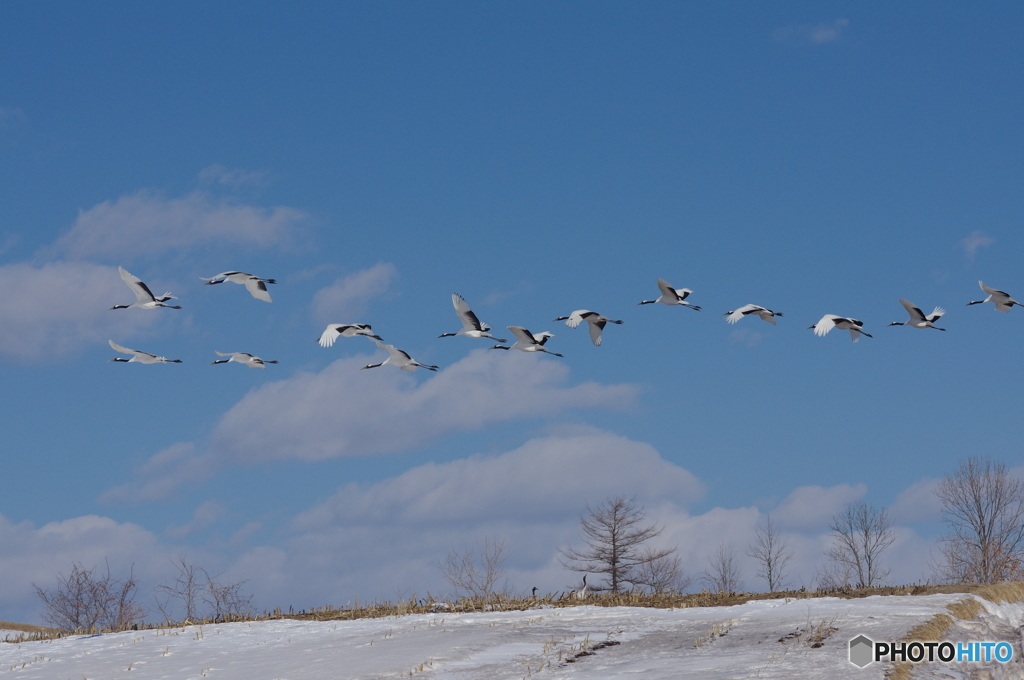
[226,600]
[772,553]
[833,576]
[723,574]
[201,595]
[614,533]
[861,533]
[480,576]
[87,600]
[660,575]
[983,507]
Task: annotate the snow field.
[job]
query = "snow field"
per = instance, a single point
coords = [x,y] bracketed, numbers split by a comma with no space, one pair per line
[784,639]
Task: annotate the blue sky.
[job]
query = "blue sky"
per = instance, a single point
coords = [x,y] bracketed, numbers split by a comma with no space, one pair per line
[536,158]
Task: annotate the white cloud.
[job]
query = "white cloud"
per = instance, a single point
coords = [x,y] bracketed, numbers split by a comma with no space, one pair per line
[205,515]
[375,540]
[549,476]
[54,309]
[816,34]
[384,539]
[308,417]
[974,242]
[812,507]
[235,178]
[145,223]
[346,299]
[162,474]
[917,503]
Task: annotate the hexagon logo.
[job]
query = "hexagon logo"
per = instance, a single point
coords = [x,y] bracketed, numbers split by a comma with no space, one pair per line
[861,648]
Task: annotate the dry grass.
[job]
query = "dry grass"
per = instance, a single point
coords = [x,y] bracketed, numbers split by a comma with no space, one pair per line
[967,609]
[1007,592]
[24,627]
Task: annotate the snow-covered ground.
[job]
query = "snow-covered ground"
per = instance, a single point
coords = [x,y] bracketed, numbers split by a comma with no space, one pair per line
[650,644]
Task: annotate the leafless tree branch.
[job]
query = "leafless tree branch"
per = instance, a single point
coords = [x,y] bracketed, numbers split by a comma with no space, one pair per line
[983,507]
[861,533]
[772,553]
[723,574]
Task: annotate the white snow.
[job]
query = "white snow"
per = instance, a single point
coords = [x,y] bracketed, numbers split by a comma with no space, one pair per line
[654,644]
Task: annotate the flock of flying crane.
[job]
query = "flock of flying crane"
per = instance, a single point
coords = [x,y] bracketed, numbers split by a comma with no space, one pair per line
[526,341]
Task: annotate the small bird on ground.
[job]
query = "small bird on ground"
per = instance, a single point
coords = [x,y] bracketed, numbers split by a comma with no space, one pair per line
[139,357]
[144,298]
[472,327]
[595,321]
[1003,301]
[256,286]
[348,330]
[918,318]
[243,358]
[746,310]
[671,296]
[528,342]
[400,359]
[830,321]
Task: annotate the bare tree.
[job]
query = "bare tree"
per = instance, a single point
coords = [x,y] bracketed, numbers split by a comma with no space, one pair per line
[861,533]
[480,577]
[660,574]
[193,587]
[983,506]
[772,553]
[85,600]
[723,574]
[614,533]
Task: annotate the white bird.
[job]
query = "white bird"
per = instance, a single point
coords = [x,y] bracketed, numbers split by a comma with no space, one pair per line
[594,320]
[139,357]
[348,330]
[243,358]
[472,327]
[580,594]
[256,286]
[528,342]
[400,359]
[830,321]
[671,296]
[144,298]
[765,314]
[918,318]
[1002,300]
